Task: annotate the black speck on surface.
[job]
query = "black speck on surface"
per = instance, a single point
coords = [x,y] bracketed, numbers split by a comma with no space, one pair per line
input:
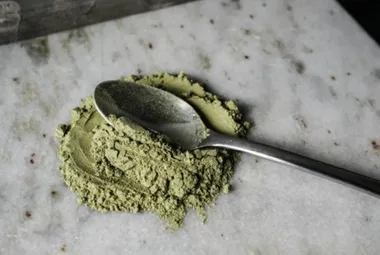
[375,145]
[43,135]
[16,80]
[31,160]
[211,21]
[289,7]
[181,26]
[302,122]
[150,45]
[264,4]
[251,16]
[28,214]
[348,73]
[332,77]
[63,248]
[246,57]
[329,131]
[298,65]
[336,144]
[53,193]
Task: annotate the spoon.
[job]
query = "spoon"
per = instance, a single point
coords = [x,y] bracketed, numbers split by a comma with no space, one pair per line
[165,113]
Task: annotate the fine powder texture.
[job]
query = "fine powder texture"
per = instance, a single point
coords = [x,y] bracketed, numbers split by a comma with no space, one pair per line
[127,168]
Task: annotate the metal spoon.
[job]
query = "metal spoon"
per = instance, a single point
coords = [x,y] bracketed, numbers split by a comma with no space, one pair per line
[165,113]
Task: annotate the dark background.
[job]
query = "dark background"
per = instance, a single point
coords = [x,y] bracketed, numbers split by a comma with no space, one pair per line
[41,17]
[366,13]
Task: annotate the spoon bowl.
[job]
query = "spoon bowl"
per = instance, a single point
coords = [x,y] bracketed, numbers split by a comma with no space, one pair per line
[154,109]
[165,113]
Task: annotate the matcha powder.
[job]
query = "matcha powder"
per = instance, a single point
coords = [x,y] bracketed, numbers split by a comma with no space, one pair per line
[127,168]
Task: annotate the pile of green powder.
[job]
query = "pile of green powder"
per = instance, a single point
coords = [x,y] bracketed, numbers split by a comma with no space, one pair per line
[127,168]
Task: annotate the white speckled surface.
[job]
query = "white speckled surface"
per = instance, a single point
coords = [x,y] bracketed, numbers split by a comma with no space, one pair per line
[285,85]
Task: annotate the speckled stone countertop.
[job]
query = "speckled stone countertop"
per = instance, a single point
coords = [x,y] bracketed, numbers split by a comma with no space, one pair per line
[303,70]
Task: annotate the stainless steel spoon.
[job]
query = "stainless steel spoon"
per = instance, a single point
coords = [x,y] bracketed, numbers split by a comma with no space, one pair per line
[165,113]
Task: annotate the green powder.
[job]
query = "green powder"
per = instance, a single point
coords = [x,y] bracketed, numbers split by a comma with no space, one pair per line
[127,168]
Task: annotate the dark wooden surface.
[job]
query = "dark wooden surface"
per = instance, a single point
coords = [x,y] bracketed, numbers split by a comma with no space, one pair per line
[25,19]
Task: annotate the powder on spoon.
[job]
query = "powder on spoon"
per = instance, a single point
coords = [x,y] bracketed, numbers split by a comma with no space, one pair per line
[127,168]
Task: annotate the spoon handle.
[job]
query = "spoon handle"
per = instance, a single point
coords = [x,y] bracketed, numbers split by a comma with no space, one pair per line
[356,180]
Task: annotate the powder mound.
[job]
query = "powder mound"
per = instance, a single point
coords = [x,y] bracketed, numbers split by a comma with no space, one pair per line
[127,168]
